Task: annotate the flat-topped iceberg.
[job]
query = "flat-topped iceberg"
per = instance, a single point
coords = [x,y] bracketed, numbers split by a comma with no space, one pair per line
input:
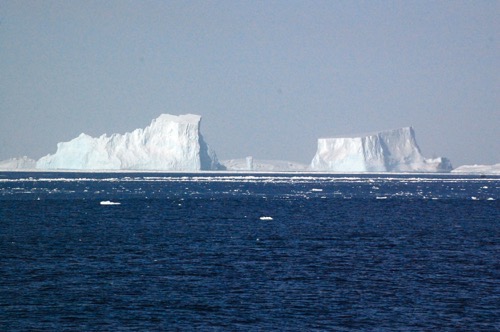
[387,151]
[172,143]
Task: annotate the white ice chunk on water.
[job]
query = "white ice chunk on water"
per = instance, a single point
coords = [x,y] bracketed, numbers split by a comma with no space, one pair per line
[171,143]
[266,218]
[387,151]
[109,203]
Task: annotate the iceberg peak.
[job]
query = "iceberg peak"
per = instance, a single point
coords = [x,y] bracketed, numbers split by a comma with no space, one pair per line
[185,118]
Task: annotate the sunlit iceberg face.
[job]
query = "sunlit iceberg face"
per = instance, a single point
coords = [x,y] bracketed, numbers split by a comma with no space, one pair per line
[171,143]
[388,151]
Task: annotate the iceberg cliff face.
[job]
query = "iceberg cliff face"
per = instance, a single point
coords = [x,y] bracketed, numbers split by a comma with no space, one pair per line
[387,151]
[171,143]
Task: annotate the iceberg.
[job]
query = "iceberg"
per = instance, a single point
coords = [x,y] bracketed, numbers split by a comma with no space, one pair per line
[387,151]
[170,142]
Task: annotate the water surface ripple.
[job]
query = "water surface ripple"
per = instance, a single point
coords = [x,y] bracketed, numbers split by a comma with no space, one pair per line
[190,252]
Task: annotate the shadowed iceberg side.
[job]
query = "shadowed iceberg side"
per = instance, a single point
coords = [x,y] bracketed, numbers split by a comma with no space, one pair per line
[387,151]
[170,142]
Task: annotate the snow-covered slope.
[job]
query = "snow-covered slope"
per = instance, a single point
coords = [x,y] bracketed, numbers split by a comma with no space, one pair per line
[18,163]
[171,143]
[482,169]
[388,151]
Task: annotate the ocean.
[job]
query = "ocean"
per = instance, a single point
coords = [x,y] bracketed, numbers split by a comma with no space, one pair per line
[249,252]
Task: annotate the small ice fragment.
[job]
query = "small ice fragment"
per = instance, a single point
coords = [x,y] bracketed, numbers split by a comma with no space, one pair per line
[490,199]
[109,203]
[381,197]
[474,198]
[266,218]
[316,189]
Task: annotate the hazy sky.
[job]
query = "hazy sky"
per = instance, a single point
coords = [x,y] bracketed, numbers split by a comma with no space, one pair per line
[268,77]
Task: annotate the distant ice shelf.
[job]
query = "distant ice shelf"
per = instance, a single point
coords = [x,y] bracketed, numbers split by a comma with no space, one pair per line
[21,163]
[259,165]
[478,169]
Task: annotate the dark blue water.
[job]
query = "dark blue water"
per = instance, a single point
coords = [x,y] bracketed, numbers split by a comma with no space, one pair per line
[190,252]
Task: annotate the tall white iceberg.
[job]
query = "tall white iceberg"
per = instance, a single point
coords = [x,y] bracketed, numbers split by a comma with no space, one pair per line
[387,151]
[171,143]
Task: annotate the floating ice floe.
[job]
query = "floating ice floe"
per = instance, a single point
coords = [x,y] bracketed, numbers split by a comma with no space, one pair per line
[266,218]
[109,203]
